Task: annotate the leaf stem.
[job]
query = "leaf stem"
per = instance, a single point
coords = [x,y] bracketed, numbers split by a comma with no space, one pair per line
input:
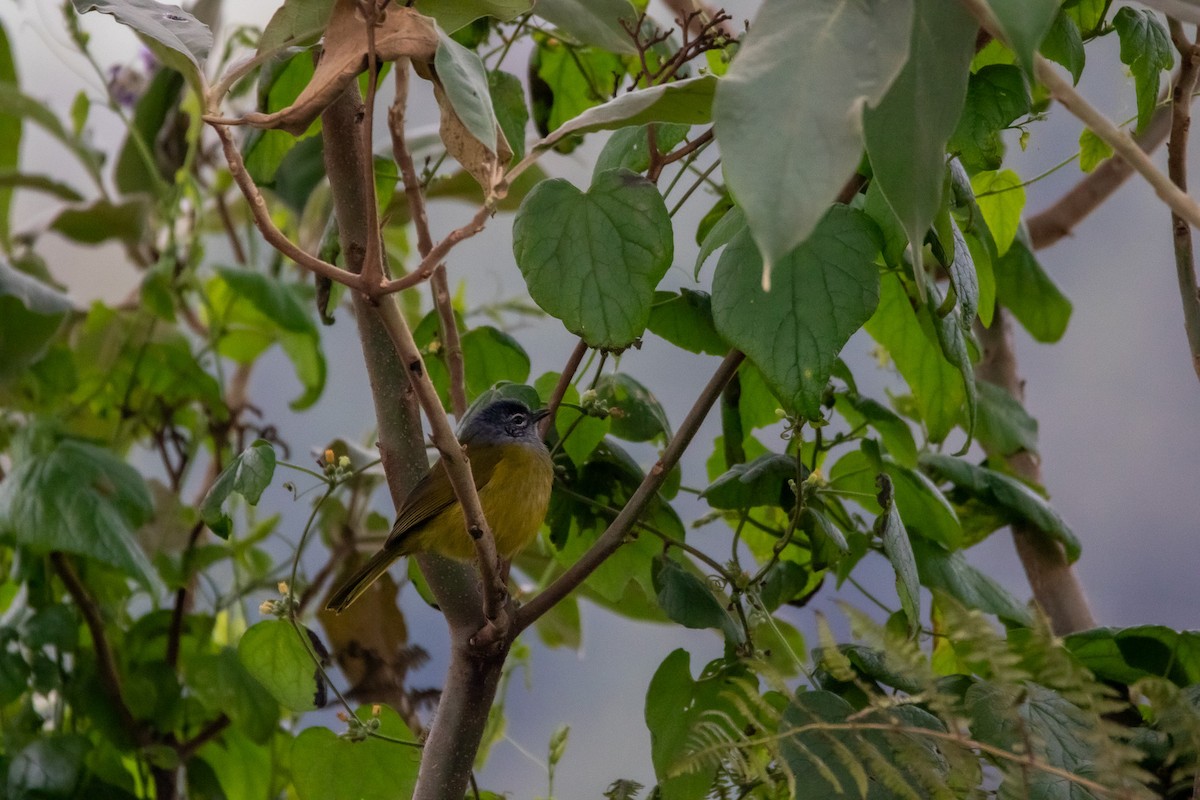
[1181,120]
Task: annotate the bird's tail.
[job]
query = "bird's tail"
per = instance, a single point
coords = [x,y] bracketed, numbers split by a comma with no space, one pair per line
[362,580]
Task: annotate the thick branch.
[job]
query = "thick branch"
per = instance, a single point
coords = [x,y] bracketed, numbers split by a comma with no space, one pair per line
[1181,122]
[1056,588]
[614,536]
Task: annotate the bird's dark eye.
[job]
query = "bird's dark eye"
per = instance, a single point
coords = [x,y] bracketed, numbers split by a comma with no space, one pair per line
[518,420]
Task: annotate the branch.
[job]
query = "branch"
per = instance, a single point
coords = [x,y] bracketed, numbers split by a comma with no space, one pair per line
[1056,587]
[372,267]
[1181,121]
[564,380]
[416,207]
[262,218]
[106,662]
[614,536]
[1053,223]
[425,269]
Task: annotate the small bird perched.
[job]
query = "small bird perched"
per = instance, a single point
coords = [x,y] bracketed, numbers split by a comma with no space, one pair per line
[513,473]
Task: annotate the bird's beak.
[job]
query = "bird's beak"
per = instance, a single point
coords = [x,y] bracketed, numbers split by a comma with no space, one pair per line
[541,414]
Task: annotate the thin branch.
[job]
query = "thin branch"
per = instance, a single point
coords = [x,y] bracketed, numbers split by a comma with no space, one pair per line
[1120,141]
[435,256]
[564,380]
[1181,121]
[205,735]
[106,662]
[675,155]
[1058,220]
[262,218]
[454,457]
[439,284]
[614,536]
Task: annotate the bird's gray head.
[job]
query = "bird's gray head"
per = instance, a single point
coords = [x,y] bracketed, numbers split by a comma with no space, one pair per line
[502,421]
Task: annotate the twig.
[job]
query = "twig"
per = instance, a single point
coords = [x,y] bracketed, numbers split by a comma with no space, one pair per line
[439,284]
[564,380]
[235,241]
[106,662]
[700,181]
[262,218]
[614,536]
[661,161]
[205,735]
[1181,121]
[175,632]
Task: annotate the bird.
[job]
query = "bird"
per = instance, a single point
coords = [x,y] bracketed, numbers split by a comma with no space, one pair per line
[513,474]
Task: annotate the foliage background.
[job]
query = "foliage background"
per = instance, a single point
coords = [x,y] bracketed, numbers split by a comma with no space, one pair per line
[1115,399]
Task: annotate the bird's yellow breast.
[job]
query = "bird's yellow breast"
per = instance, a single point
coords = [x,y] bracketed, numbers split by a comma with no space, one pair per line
[514,500]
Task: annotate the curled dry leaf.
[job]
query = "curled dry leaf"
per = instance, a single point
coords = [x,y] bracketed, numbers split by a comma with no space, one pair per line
[485,163]
[401,33]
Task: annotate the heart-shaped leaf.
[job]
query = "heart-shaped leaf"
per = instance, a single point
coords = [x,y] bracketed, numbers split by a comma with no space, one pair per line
[593,259]
[821,293]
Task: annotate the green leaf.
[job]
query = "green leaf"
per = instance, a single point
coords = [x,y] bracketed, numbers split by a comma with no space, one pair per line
[686,102]
[465,80]
[1024,24]
[257,311]
[14,676]
[676,703]
[893,428]
[1001,198]
[1088,14]
[952,331]
[898,549]
[79,498]
[629,148]
[823,291]
[150,115]
[1057,732]
[1027,291]
[951,573]
[491,356]
[168,30]
[248,475]
[1093,151]
[326,766]
[222,685]
[271,651]
[49,767]
[637,416]
[720,234]
[54,625]
[1004,426]
[10,179]
[452,15]
[689,601]
[909,339]
[508,100]
[10,137]
[296,23]
[686,320]
[1064,45]
[845,762]
[1146,49]
[906,133]
[103,220]
[761,482]
[788,145]
[997,95]
[239,767]
[279,84]
[597,22]
[594,259]
[1126,655]
[566,81]
[1017,501]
